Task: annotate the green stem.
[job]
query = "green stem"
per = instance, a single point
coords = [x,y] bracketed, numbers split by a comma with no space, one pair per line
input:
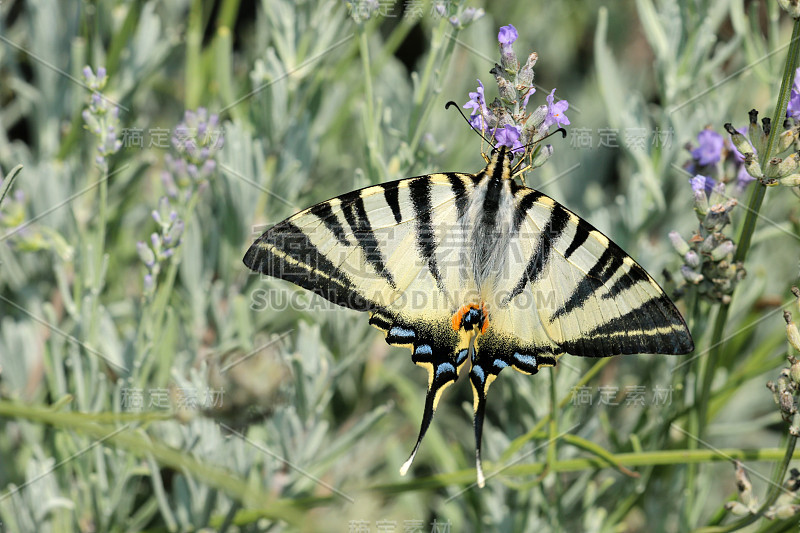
[132,439]
[423,102]
[581,464]
[520,441]
[552,446]
[370,129]
[9,181]
[754,206]
[195,77]
[98,267]
[154,322]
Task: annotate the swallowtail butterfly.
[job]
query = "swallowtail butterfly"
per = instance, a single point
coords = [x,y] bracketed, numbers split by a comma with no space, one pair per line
[473,267]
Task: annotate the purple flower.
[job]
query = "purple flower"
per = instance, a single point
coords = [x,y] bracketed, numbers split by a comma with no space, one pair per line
[527,96]
[710,149]
[507,36]
[508,135]
[476,121]
[477,103]
[476,99]
[793,110]
[555,111]
[702,184]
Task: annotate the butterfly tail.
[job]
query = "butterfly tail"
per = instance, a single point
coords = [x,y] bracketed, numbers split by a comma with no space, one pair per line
[442,375]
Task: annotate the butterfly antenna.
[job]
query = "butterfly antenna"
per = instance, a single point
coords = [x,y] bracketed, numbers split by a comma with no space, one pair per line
[516,168]
[559,130]
[452,103]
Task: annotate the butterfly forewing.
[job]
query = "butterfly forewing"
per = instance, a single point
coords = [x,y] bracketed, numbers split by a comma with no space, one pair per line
[598,300]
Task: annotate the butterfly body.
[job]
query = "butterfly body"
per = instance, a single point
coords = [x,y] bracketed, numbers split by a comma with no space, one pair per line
[473,267]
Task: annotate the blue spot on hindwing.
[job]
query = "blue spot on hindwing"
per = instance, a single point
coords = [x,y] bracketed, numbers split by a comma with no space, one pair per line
[423,349]
[462,356]
[478,371]
[401,334]
[499,364]
[445,367]
[525,360]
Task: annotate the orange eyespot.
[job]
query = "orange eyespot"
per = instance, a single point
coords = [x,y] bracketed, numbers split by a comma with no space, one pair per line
[485,325]
[457,321]
[459,316]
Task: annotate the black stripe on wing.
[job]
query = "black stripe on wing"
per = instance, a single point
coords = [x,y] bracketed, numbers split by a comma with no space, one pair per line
[285,252]
[392,195]
[356,216]
[420,189]
[634,275]
[581,234]
[625,334]
[460,193]
[559,218]
[607,265]
[324,212]
[521,211]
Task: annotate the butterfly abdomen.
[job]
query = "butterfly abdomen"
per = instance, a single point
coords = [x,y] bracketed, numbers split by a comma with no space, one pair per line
[490,242]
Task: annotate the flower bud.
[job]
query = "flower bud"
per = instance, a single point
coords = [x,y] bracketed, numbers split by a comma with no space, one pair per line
[791,331]
[790,181]
[739,141]
[717,197]
[507,92]
[787,510]
[723,250]
[786,402]
[744,485]
[145,254]
[755,133]
[542,155]
[536,119]
[692,259]
[791,6]
[777,167]
[173,236]
[700,203]
[794,370]
[680,245]
[715,220]
[509,61]
[786,139]
[149,283]
[737,508]
[752,167]
[471,14]
[690,275]
[525,76]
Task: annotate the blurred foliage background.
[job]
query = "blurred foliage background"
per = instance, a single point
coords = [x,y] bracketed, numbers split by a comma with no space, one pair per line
[177,391]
